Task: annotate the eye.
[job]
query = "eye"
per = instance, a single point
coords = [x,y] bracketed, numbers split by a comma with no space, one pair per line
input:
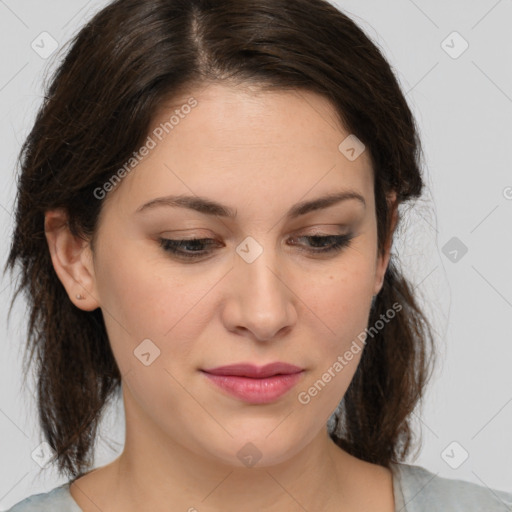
[327,243]
[190,248]
[201,247]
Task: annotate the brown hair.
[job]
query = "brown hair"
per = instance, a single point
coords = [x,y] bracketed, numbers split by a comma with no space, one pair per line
[97,110]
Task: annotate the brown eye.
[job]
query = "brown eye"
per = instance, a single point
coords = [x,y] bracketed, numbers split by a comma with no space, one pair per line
[201,247]
[328,243]
[190,248]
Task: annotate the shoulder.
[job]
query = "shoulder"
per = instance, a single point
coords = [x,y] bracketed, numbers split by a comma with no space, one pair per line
[58,499]
[424,490]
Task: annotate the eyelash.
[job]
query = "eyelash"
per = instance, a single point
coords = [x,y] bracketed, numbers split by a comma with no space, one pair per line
[173,246]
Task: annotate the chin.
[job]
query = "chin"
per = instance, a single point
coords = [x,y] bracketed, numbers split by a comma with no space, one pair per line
[260,449]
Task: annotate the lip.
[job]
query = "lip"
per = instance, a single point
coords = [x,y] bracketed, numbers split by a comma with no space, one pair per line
[254,372]
[253,384]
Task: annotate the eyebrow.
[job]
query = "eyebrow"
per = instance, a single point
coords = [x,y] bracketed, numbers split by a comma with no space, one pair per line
[210,207]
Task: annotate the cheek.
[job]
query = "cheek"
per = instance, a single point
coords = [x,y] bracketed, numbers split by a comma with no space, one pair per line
[143,294]
[340,300]
[143,299]
[340,296]
[341,313]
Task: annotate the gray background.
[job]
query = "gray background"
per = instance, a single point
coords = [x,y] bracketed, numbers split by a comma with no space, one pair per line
[463,104]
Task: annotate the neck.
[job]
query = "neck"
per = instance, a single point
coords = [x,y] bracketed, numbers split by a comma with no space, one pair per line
[155,472]
[151,477]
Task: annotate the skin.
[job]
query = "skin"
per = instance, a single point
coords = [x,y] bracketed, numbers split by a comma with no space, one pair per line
[259,153]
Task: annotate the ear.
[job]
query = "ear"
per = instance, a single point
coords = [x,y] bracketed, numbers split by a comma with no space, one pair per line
[383,259]
[72,260]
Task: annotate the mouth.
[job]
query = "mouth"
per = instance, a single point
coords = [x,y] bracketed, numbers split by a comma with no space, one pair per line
[255,372]
[253,384]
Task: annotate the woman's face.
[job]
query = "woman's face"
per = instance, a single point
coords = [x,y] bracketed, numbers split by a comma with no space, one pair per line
[259,291]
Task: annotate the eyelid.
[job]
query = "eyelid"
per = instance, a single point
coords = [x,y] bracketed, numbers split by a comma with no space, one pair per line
[325,230]
[207,233]
[210,238]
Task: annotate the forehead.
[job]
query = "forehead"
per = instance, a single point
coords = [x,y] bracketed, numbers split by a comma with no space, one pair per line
[222,140]
[244,116]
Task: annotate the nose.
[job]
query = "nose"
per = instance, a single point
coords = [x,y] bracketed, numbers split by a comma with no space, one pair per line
[260,299]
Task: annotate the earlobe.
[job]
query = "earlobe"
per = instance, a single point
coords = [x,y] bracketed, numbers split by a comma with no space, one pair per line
[71,258]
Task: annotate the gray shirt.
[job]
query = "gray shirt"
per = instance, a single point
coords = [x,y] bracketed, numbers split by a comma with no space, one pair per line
[415,488]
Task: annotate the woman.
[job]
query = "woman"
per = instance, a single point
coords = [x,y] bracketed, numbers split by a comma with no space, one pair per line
[204,223]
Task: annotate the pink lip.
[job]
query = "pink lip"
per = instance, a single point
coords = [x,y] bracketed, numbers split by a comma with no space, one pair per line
[257,385]
[255,372]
